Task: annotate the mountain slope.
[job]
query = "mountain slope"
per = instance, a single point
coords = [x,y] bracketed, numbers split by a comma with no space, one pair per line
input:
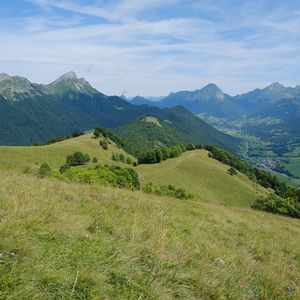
[63,240]
[170,127]
[36,113]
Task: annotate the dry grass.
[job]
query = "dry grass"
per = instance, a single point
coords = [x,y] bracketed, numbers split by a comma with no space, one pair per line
[70,241]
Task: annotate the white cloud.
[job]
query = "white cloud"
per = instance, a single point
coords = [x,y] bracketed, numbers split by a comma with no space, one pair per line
[237,51]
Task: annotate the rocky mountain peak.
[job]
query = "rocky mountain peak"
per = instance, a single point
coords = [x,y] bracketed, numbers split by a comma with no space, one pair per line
[275,86]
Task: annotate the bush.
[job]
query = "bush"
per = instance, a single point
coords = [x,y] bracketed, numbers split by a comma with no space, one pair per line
[232,171]
[129,161]
[63,168]
[122,157]
[166,190]
[105,175]
[104,145]
[77,159]
[115,157]
[44,171]
[95,160]
[278,205]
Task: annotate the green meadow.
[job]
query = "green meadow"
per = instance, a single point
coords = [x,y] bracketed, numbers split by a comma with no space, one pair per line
[62,240]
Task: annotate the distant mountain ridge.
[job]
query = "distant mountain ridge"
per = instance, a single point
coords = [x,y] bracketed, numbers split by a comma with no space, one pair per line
[138,100]
[211,100]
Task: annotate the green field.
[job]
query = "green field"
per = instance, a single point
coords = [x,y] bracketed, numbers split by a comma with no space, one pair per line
[63,240]
[293,165]
[205,177]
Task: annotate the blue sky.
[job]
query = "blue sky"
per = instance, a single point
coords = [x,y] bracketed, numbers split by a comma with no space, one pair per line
[153,47]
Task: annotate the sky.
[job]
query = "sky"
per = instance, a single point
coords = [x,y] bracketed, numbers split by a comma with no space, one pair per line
[153,47]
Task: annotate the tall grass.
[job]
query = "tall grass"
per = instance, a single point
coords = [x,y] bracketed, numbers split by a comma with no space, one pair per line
[72,241]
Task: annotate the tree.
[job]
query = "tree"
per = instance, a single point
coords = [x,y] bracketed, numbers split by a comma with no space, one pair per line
[190,147]
[165,153]
[129,161]
[158,155]
[122,157]
[77,159]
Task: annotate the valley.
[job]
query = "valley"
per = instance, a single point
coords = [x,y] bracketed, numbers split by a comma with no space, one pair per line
[267,120]
[278,153]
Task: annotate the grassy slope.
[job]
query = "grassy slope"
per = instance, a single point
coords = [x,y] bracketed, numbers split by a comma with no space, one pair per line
[293,166]
[19,158]
[205,177]
[76,241]
[86,242]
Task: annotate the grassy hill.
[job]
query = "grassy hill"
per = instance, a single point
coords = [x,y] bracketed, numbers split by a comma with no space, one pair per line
[205,177]
[21,157]
[70,241]
[193,170]
[62,240]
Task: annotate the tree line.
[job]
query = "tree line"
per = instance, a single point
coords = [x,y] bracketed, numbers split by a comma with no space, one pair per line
[163,153]
[286,200]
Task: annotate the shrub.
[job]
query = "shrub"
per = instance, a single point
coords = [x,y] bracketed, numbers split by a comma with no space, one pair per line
[278,205]
[77,133]
[63,168]
[44,171]
[105,175]
[122,157]
[232,171]
[104,145]
[129,161]
[115,157]
[77,159]
[166,190]
[95,160]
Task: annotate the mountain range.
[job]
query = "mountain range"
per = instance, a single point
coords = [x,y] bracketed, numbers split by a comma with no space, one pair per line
[211,100]
[277,102]
[267,119]
[32,112]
